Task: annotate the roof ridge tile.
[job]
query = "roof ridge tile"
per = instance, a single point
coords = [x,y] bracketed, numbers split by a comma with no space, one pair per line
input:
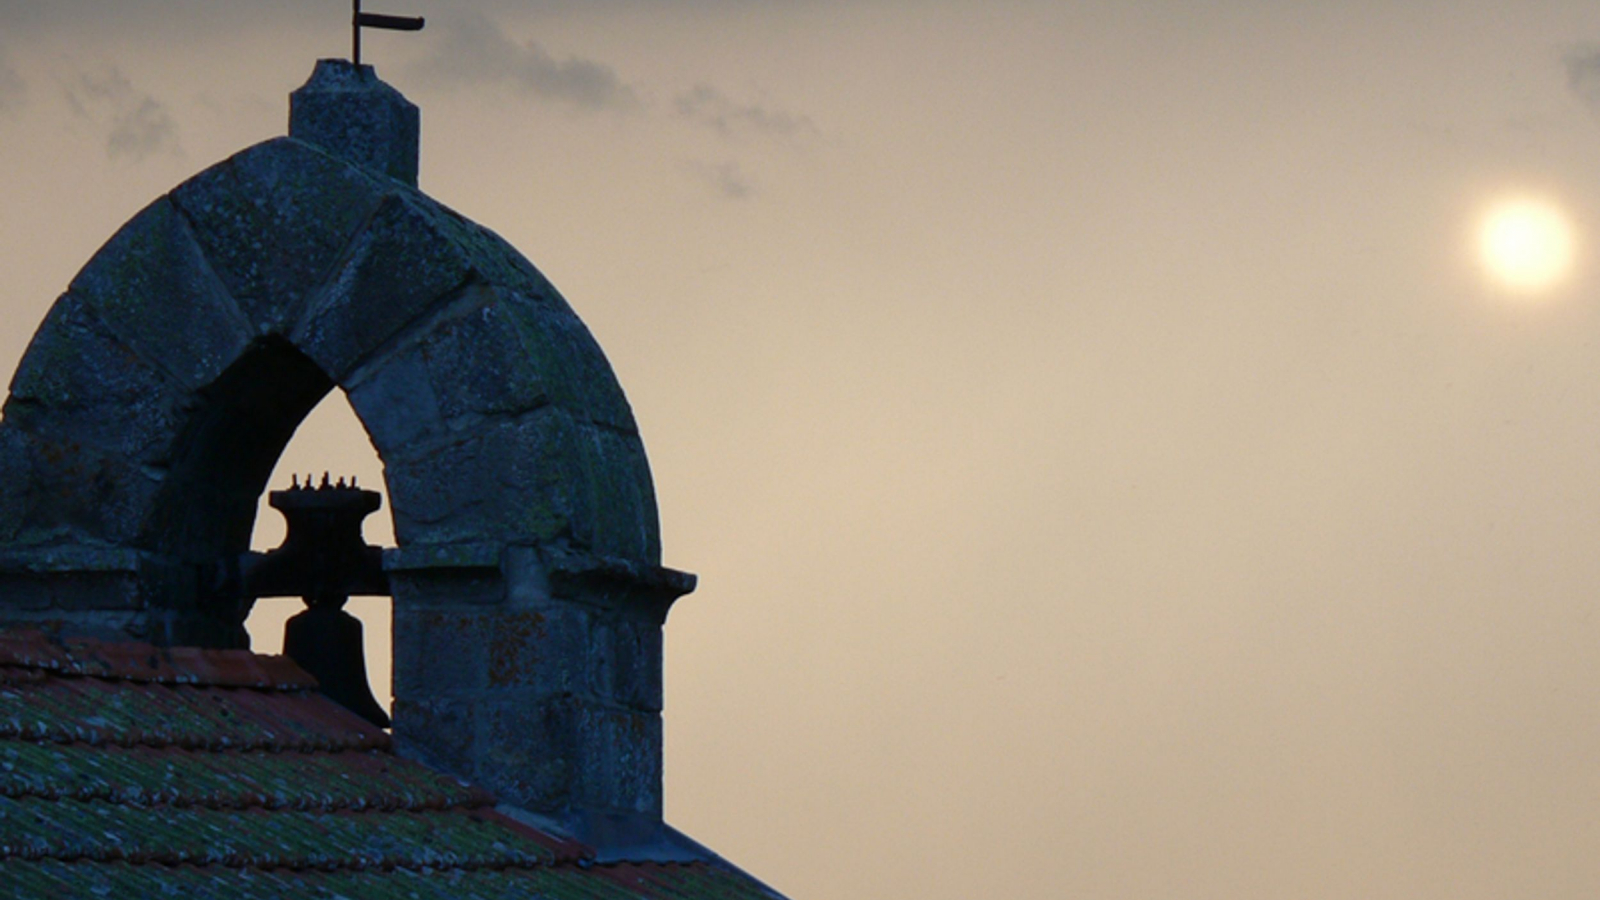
[101,711]
[355,780]
[260,839]
[33,648]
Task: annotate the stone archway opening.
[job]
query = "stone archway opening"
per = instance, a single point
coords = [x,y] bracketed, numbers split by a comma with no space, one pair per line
[330,438]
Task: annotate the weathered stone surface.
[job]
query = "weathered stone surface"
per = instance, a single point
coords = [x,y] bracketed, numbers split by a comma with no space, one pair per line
[346,110]
[26,592]
[625,663]
[495,260]
[187,628]
[69,591]
[620,763]
[396,403]
[73,493]
[476,359]
[110,625]
[154,289]
[442,731]
[447,586]
[527,579]
[510,480]
[446,560]
[274,219]
[70,559]
[440,652]
[78,382]
[129,594]
[632,588]
[529,750]
[621,496]
[527,479]
[570,364]
[541,650]
[396,267]
[16,482]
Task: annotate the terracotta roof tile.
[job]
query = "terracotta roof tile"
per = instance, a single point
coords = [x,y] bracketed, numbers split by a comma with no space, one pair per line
[128,771]
[260,838]
[100,711]
[57,879]
[32,649]
[353,780]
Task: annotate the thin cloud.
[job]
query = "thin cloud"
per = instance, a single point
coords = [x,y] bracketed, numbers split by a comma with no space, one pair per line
[726,178]
[137,124]
[1583,75]
[81,17]
[472,50]
[13,90]
[141,130]
[712,108]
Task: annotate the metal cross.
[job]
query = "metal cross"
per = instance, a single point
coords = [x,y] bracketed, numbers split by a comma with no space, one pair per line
[376,20]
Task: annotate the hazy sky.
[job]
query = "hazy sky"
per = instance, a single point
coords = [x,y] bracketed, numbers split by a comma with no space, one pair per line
[1110,470]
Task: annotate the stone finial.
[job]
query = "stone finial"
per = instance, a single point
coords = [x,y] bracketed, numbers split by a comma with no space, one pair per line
[346,110]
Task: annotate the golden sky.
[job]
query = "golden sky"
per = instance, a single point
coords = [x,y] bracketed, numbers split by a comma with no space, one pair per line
[1111,467]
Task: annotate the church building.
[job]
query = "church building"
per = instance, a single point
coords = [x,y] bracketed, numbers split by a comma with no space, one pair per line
[145,750]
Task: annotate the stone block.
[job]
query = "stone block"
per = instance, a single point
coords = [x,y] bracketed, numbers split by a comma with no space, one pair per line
[527,579]
[77,494]
[442,733]
[445,558]
[24,591]
[639,590]
[440,652]
[16,475]
[78,382]
[425,493]
[571,365]
[509,480]
[621,761]
[468,360]
[530,751]
[446,586]
[70,591]
[347,111]
[100,624]
[625,662]
[396,404]
[494,259]
[273,221]
[153,288]
[620,495]
[542,650]
[396,267]
[478,363]
[96,590]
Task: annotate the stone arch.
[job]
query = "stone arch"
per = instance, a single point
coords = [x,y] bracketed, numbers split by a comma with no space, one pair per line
[146,414]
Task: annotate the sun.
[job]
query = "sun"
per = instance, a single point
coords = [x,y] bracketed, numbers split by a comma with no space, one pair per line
[1526,244]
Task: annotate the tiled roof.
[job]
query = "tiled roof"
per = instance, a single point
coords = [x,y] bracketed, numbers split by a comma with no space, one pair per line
[132,771]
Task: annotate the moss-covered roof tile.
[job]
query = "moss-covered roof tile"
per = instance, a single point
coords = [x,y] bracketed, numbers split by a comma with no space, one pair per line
[128,771]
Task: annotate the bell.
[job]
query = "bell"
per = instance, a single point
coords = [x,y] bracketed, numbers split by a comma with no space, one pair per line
[326,642]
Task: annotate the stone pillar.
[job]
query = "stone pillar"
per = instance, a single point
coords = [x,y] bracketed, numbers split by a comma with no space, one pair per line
[347,111]
[535,672]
